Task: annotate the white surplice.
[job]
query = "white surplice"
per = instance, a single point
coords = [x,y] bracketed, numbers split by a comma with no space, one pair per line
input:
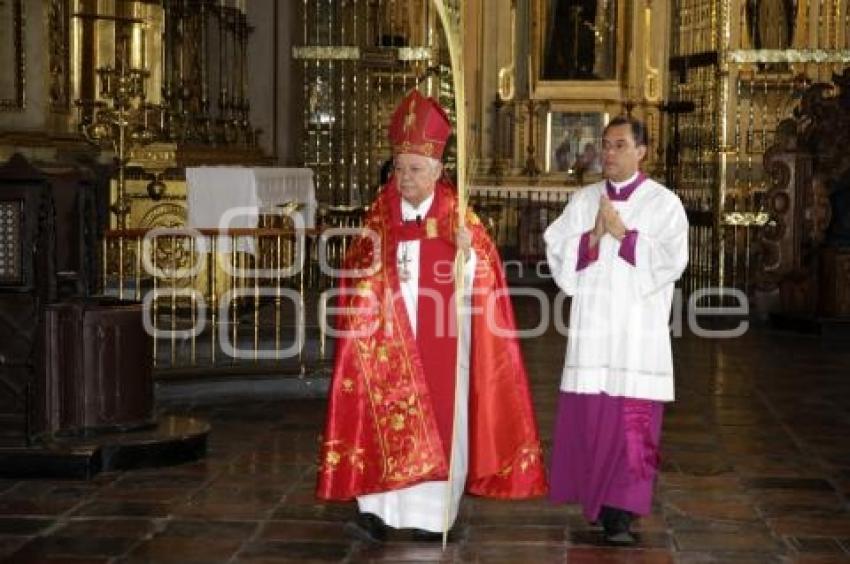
[423,506]
[619,337]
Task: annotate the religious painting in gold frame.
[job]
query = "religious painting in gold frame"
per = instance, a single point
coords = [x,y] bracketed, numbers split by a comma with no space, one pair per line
[577,49]
[12,55]
[573,141]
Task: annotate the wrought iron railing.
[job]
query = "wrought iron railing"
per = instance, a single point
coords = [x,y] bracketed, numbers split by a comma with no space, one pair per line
[255,300]
[224,299]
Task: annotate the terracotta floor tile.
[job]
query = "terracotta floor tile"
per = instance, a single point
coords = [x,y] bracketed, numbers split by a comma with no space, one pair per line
[290,551]
[200,509]
[123,509]
[315,511]
[57,546]
[205,528]
[815,545]
[499,554]
[510,535]
[837,525]
[106,527]
[315,531]
[11,526]
[699,507]
[738,541]
[608,555]
[162,495]
[10,544]
[185,550]
[46,507]
[730,557]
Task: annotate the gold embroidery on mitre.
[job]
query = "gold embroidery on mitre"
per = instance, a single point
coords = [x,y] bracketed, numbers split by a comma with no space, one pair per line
[426,149]
[410,118]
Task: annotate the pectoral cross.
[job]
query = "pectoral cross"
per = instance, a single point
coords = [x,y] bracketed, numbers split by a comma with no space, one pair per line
[403,262]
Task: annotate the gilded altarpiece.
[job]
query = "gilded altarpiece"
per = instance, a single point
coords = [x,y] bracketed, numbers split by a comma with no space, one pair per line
[573,62]
[737,69]
[189,102]
[572,65]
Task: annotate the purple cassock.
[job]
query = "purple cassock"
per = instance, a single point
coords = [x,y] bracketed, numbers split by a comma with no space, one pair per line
[595,463]
[606,448]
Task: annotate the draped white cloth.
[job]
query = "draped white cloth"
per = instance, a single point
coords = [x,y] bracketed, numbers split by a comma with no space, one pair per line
[619,337]
[234,197]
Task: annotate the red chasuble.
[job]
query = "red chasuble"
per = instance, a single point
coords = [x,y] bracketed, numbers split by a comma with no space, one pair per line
[389,419]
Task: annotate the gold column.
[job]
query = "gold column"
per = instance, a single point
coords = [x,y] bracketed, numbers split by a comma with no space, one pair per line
[723,38]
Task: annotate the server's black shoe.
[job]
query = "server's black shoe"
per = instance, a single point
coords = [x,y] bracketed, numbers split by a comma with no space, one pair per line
[623,538]
[367,528]
[617,524]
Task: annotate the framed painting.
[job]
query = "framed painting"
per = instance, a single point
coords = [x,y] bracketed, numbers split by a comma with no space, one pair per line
[573,141]
[577,48]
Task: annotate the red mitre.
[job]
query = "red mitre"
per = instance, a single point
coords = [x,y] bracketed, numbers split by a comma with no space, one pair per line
[419,125]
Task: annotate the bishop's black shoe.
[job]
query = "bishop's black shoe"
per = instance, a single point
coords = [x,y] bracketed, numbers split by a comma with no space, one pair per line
[616,523]
[422,535]
[368,528]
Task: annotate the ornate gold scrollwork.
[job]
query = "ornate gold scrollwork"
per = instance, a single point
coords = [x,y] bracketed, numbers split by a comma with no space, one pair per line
[652,79]
[820,56]
[746,219]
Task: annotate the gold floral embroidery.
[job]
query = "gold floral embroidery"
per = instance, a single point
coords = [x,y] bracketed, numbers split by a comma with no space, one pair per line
[527,458]
[397,423]
[431,227]
[336,452]
[355,458]
[332,458]
[364,287]
[348,385]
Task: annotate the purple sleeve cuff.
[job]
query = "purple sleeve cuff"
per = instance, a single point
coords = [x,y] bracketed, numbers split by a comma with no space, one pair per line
[627,247]
[586,254]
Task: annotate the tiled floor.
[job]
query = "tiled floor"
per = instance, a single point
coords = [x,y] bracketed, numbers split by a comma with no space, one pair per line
[756,469]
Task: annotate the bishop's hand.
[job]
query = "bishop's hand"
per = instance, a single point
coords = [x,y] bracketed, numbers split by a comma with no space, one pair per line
[463,240]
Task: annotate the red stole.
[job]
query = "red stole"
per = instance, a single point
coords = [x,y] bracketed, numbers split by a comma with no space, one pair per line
[436,324]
